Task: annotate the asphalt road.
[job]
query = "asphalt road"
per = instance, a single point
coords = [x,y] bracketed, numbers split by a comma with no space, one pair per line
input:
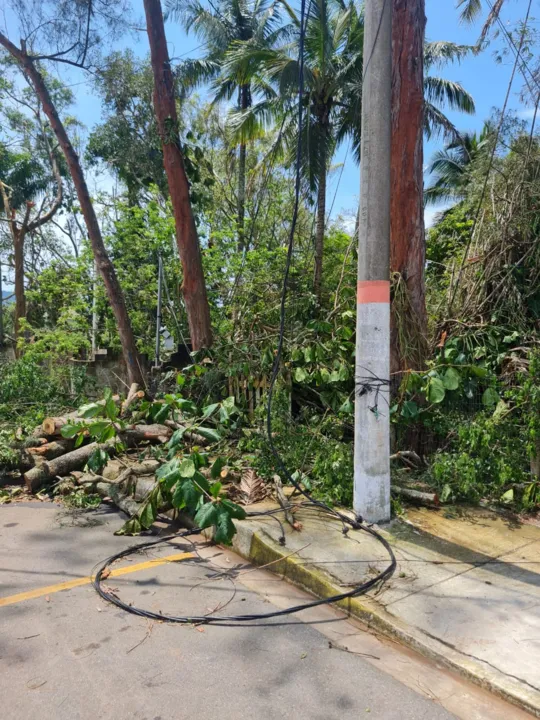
[67,655]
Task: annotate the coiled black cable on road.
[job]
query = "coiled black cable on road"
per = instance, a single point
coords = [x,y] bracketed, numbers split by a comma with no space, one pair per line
[347,523]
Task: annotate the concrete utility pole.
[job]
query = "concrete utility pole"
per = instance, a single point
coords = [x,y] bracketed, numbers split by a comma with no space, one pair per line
[157,361]
[372,408]
[1,310]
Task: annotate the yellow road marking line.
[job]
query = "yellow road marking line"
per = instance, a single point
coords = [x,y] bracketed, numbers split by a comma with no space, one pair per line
[69,584]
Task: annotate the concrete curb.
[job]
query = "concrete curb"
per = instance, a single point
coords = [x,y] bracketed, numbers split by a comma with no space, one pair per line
[260,549]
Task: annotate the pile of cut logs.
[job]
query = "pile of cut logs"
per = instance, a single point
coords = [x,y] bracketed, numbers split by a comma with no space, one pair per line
[47,456]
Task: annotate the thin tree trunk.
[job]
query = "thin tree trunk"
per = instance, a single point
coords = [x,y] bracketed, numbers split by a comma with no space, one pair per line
[242,155]
[20,295]
[103,262]
[194,288]
[319,234]
[407,246]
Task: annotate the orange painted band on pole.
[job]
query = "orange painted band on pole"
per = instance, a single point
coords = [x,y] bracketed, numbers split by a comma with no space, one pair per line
[373,291]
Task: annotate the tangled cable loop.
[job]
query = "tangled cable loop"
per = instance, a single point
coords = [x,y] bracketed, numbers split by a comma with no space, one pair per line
[367,384]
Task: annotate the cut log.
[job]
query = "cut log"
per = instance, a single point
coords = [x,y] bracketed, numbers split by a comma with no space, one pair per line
[138,433]
[133,394]
[125,502]
[53,449]
[417,496]
[52,426]
[63,465]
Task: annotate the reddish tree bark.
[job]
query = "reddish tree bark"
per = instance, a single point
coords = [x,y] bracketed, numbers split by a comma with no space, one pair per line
[103,262]
[194,287]
[407,233]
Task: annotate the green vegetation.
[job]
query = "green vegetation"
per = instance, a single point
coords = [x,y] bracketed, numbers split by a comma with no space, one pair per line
[470,414]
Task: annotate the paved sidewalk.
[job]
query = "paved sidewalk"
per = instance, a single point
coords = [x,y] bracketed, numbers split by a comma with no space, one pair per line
[466,590]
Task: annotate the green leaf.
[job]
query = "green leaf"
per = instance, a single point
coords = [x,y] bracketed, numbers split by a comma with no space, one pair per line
[490,397]
[479,371]
[215,489]
[168,473]
[97,460]
[446,493]
[234,510]
[206,516]
[225,529]
[163,413]
[131,527]
[180,380]
[91,410]
[508,496]
[97,428]
[148,513]
[210,410]
[187,468]
[217,466]
[409,409]
[347,406]
[186,494]
[451,379]
[69,431]
[111,410]
[436,391]
[300,374]
[176,437]
[201,482]
[186,405]
[230,404]
[208,433]
[80,439]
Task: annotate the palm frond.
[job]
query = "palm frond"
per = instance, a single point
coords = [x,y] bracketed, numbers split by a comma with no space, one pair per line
[443,92]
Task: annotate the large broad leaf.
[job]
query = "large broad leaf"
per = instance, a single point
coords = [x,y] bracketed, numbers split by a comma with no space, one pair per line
[187,468]
[451,379]
[69,431]
[234,510]
[490,397]
[217,467]
[91,410]
[131,527]
[97,460]
[215,489]
[409,409]
[206,516]
[225,528]
[300,374]
[111,410]
[168,473]
[436,391]
[148,513]
[208,433]
[210,410]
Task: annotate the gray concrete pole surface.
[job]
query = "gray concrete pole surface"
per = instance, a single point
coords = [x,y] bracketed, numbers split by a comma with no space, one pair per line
[372,409]
[157,360]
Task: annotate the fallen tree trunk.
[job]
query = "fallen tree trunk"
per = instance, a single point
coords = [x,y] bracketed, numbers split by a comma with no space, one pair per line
[138,433]
[125,502]
[417,496]
[53,449]
[63,465]
[52,426]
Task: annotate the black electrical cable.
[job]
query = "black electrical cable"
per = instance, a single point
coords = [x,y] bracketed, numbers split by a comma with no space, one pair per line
[312,503]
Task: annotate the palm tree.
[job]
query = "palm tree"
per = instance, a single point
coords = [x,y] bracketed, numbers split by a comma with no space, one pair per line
[440,93]
[219,26]
[450,166]
[333,60]
[472,8]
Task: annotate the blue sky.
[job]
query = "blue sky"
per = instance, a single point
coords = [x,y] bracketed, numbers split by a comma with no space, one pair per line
[486,80]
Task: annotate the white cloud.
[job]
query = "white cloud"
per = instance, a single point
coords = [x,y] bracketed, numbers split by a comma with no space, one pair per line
[431,212]
[526,113]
